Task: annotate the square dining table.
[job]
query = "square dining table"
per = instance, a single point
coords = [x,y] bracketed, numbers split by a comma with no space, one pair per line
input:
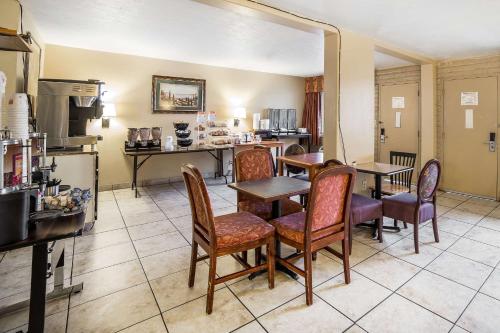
[313,161]
[272,190]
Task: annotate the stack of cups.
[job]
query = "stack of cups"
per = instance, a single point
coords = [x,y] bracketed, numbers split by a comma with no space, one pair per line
[18,116]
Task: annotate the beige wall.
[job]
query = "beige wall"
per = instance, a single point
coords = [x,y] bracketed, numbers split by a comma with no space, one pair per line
[11,62]
[9,18]
[428,95]
[128,78]
[357,78]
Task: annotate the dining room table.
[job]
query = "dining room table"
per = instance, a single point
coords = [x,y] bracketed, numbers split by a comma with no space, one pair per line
[312,163]
[273,190]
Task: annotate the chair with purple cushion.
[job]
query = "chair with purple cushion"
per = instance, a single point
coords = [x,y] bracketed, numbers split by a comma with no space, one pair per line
[416,209]
[363,209]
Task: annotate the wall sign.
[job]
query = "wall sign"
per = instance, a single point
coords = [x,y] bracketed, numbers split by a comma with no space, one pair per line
[398,120]
[398,102]
[469,118]
[469,98]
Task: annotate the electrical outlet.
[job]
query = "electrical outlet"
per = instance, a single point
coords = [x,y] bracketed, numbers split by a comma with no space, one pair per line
[364,183]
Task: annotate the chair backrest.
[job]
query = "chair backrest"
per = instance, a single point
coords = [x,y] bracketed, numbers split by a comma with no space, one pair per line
[254,164]
[294,149]
[201,209]
[332,162]
[404,159]
[330,198]
[428,180]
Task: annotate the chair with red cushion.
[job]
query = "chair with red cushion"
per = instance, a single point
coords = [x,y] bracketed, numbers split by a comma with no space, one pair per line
[325,222]
[256,164]
[416,209]
[223,235]
[363,209]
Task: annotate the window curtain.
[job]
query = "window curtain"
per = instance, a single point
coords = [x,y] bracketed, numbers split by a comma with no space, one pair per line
[311,117]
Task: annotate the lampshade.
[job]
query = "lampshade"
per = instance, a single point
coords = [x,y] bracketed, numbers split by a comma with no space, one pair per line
[109,110]
[240,113]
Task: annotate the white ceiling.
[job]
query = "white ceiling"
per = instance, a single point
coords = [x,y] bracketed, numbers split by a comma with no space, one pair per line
[181,30]
[435,28]
[189,31]
[386,61]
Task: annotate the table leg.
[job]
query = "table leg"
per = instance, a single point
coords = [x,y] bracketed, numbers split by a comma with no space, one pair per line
[234,166]
[378,187]
[280,168]
[309,141]
[38,288]
[378,196]
[134,177]
[276,212]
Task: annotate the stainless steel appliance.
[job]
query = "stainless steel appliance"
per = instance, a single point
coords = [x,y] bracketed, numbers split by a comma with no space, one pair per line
[64,107]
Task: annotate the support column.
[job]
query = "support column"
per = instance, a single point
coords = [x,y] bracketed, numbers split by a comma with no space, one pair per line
[331,95]
[427,112]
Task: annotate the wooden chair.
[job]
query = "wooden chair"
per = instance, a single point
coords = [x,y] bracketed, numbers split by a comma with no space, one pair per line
[363,209]
[294,149]
[400,182]
[325,221]
[255,164]
[223,235]
[416,209]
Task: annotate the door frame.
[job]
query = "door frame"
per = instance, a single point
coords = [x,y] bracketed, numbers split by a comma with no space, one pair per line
[442,127]
[419,120]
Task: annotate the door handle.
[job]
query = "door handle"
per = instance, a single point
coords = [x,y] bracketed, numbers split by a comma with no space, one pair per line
[492,143]
[382,135]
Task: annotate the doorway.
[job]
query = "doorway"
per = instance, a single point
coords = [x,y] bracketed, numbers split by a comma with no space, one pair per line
[398,121]
[470,134]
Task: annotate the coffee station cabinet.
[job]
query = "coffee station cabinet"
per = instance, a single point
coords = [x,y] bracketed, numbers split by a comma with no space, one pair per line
[79,169]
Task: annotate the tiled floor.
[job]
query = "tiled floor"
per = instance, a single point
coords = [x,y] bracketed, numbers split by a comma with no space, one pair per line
[134,268]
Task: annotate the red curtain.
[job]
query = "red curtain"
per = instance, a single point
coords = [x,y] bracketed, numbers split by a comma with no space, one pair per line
[311,116]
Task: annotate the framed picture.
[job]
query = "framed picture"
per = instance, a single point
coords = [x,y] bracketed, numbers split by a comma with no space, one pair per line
[178,95]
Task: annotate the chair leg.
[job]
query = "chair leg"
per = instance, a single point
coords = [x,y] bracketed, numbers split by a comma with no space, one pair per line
[314,256]
[395,223]
[244,256]
[270,263]
[380,224]
[192,267]
[211,283]
[345,260]
[405,225]
[308,269]
[435,228]
[258,256]
[415,237]
[350,238]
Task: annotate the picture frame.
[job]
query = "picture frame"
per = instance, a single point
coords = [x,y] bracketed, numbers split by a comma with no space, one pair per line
[172,94]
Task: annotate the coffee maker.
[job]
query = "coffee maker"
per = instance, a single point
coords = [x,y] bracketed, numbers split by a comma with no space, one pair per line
[63,109]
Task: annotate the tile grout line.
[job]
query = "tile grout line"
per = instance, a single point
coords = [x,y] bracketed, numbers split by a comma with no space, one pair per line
[71,281]
[474,297]
[225,286]
[395,291]
[144,272]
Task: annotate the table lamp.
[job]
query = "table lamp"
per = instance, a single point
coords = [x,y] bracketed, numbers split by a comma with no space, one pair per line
[239,113]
